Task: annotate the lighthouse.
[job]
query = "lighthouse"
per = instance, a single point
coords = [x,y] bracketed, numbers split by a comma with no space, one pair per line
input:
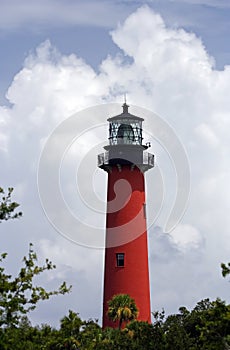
[126,248]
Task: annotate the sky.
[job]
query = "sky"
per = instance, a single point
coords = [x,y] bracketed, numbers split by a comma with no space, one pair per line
[171,58]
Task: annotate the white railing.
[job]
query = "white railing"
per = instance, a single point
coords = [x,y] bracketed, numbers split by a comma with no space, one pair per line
[103,159]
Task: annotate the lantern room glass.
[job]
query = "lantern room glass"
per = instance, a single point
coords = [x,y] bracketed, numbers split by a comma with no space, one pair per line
[125,132]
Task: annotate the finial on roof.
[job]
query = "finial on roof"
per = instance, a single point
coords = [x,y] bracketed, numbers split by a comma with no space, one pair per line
[125,106]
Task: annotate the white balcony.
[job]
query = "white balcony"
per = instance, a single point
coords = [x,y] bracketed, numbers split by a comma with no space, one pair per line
[147,160]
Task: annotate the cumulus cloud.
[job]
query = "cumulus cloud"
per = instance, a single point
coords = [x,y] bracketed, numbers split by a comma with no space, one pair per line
[169,72]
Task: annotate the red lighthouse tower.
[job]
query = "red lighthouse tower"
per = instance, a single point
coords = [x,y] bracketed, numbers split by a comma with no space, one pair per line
[126,251]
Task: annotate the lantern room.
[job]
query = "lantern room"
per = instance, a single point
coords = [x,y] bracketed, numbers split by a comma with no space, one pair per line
[125,129]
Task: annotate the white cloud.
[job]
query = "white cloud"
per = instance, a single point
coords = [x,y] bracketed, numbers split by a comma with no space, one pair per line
[169,72]
[54,81]
[186,237]
[3,124]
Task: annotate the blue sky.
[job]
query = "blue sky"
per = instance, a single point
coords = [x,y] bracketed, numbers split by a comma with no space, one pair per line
[171,57]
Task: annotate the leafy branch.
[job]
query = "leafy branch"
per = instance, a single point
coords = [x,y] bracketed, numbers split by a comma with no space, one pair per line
[19,295]
[7,207]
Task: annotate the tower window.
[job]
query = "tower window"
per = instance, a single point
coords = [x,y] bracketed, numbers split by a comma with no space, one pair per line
[120,257]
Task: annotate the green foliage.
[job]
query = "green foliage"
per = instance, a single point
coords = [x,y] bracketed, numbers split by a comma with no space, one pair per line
[225,269]
[7,207]
[146,336]
[20,295]
[71,324]
[91,335]
[122,308]
[206,327]
[26,337]
[76,334]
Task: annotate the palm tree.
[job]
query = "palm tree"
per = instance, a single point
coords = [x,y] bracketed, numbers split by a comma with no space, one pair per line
[122,308]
